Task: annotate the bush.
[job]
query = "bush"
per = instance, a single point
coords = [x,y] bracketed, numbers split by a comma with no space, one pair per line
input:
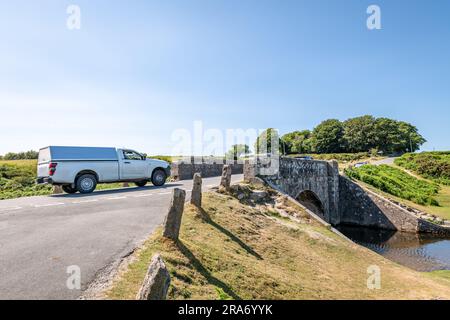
[18,180]
[29,155]
[430,165]
[341,157]
[396,182]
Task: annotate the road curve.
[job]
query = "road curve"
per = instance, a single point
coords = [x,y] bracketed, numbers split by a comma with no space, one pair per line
[40,237]
[388,161]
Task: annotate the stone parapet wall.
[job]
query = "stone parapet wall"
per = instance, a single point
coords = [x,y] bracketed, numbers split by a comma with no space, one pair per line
[186,171]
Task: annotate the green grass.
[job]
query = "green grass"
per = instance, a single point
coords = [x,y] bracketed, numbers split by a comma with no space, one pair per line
[397,182]
[444,274]
[232,250]
[430,165]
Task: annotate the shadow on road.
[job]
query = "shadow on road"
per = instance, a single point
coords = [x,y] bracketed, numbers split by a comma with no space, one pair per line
[116,191]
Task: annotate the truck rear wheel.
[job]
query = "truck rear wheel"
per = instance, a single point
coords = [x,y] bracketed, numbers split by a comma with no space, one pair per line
[141,183]
[86,183]
[68,189]
[159,178]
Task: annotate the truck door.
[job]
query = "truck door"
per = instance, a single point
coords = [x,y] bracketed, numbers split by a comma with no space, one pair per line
[133,166]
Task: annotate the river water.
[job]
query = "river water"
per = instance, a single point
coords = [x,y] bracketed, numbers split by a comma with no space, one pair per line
[421,252]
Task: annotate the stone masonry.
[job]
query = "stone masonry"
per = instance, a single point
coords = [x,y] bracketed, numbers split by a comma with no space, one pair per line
[172,222]
[156,282]
[294,176]
[196,196]
[342,200]
[225,181]
[186,170]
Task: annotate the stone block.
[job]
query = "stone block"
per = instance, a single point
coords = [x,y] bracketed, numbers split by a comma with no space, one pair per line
[225,181]
[156,282]
[172,222]
[196,197]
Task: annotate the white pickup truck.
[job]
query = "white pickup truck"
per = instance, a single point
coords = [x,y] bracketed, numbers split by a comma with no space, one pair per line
[81,168]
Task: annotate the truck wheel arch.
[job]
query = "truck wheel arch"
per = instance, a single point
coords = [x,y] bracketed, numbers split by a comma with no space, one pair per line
[158,168]
[79,174]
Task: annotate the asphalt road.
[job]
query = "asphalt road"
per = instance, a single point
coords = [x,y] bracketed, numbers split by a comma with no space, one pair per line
[388,161]
[40,237]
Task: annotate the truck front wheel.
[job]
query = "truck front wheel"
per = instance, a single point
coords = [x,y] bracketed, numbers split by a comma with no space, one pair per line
[86,183]
[159,178]
[68,189]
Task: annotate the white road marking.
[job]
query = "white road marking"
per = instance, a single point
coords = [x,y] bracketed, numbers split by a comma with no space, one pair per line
[49,205]
[142,195]
[164,193]
[10,209]
[116,198]
[210,185]
[85,201]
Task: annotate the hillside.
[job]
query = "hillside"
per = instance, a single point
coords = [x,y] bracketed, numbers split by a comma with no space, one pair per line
[430,165]
[397,182]
[242,250]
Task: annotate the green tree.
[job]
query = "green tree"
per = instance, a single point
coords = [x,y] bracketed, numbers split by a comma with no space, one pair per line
[360,134]
[237,151]
[410,137]
[21,155]
[297,142]
[264,142]
[328,137]
[397,136]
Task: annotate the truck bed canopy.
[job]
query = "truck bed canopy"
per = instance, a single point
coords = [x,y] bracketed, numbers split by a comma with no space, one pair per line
[79,153]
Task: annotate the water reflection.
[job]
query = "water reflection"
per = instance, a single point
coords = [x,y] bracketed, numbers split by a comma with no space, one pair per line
[421,252]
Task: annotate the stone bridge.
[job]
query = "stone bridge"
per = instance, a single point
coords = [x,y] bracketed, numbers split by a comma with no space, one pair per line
[335,198]
[313,183]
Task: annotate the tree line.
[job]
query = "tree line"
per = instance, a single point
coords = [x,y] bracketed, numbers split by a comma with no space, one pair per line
[360,134]
[28,155]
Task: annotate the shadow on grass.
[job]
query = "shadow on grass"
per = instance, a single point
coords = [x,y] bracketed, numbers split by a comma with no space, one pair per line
[228,233]
[204,272]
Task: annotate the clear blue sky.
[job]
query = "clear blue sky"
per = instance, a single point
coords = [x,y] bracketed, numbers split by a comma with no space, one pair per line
[137,70]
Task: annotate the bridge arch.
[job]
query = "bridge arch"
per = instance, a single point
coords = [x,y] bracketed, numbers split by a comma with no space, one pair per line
[311,201]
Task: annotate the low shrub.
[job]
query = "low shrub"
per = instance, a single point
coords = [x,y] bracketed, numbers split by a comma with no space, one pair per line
[430,165]
[341,157]
[396,182]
